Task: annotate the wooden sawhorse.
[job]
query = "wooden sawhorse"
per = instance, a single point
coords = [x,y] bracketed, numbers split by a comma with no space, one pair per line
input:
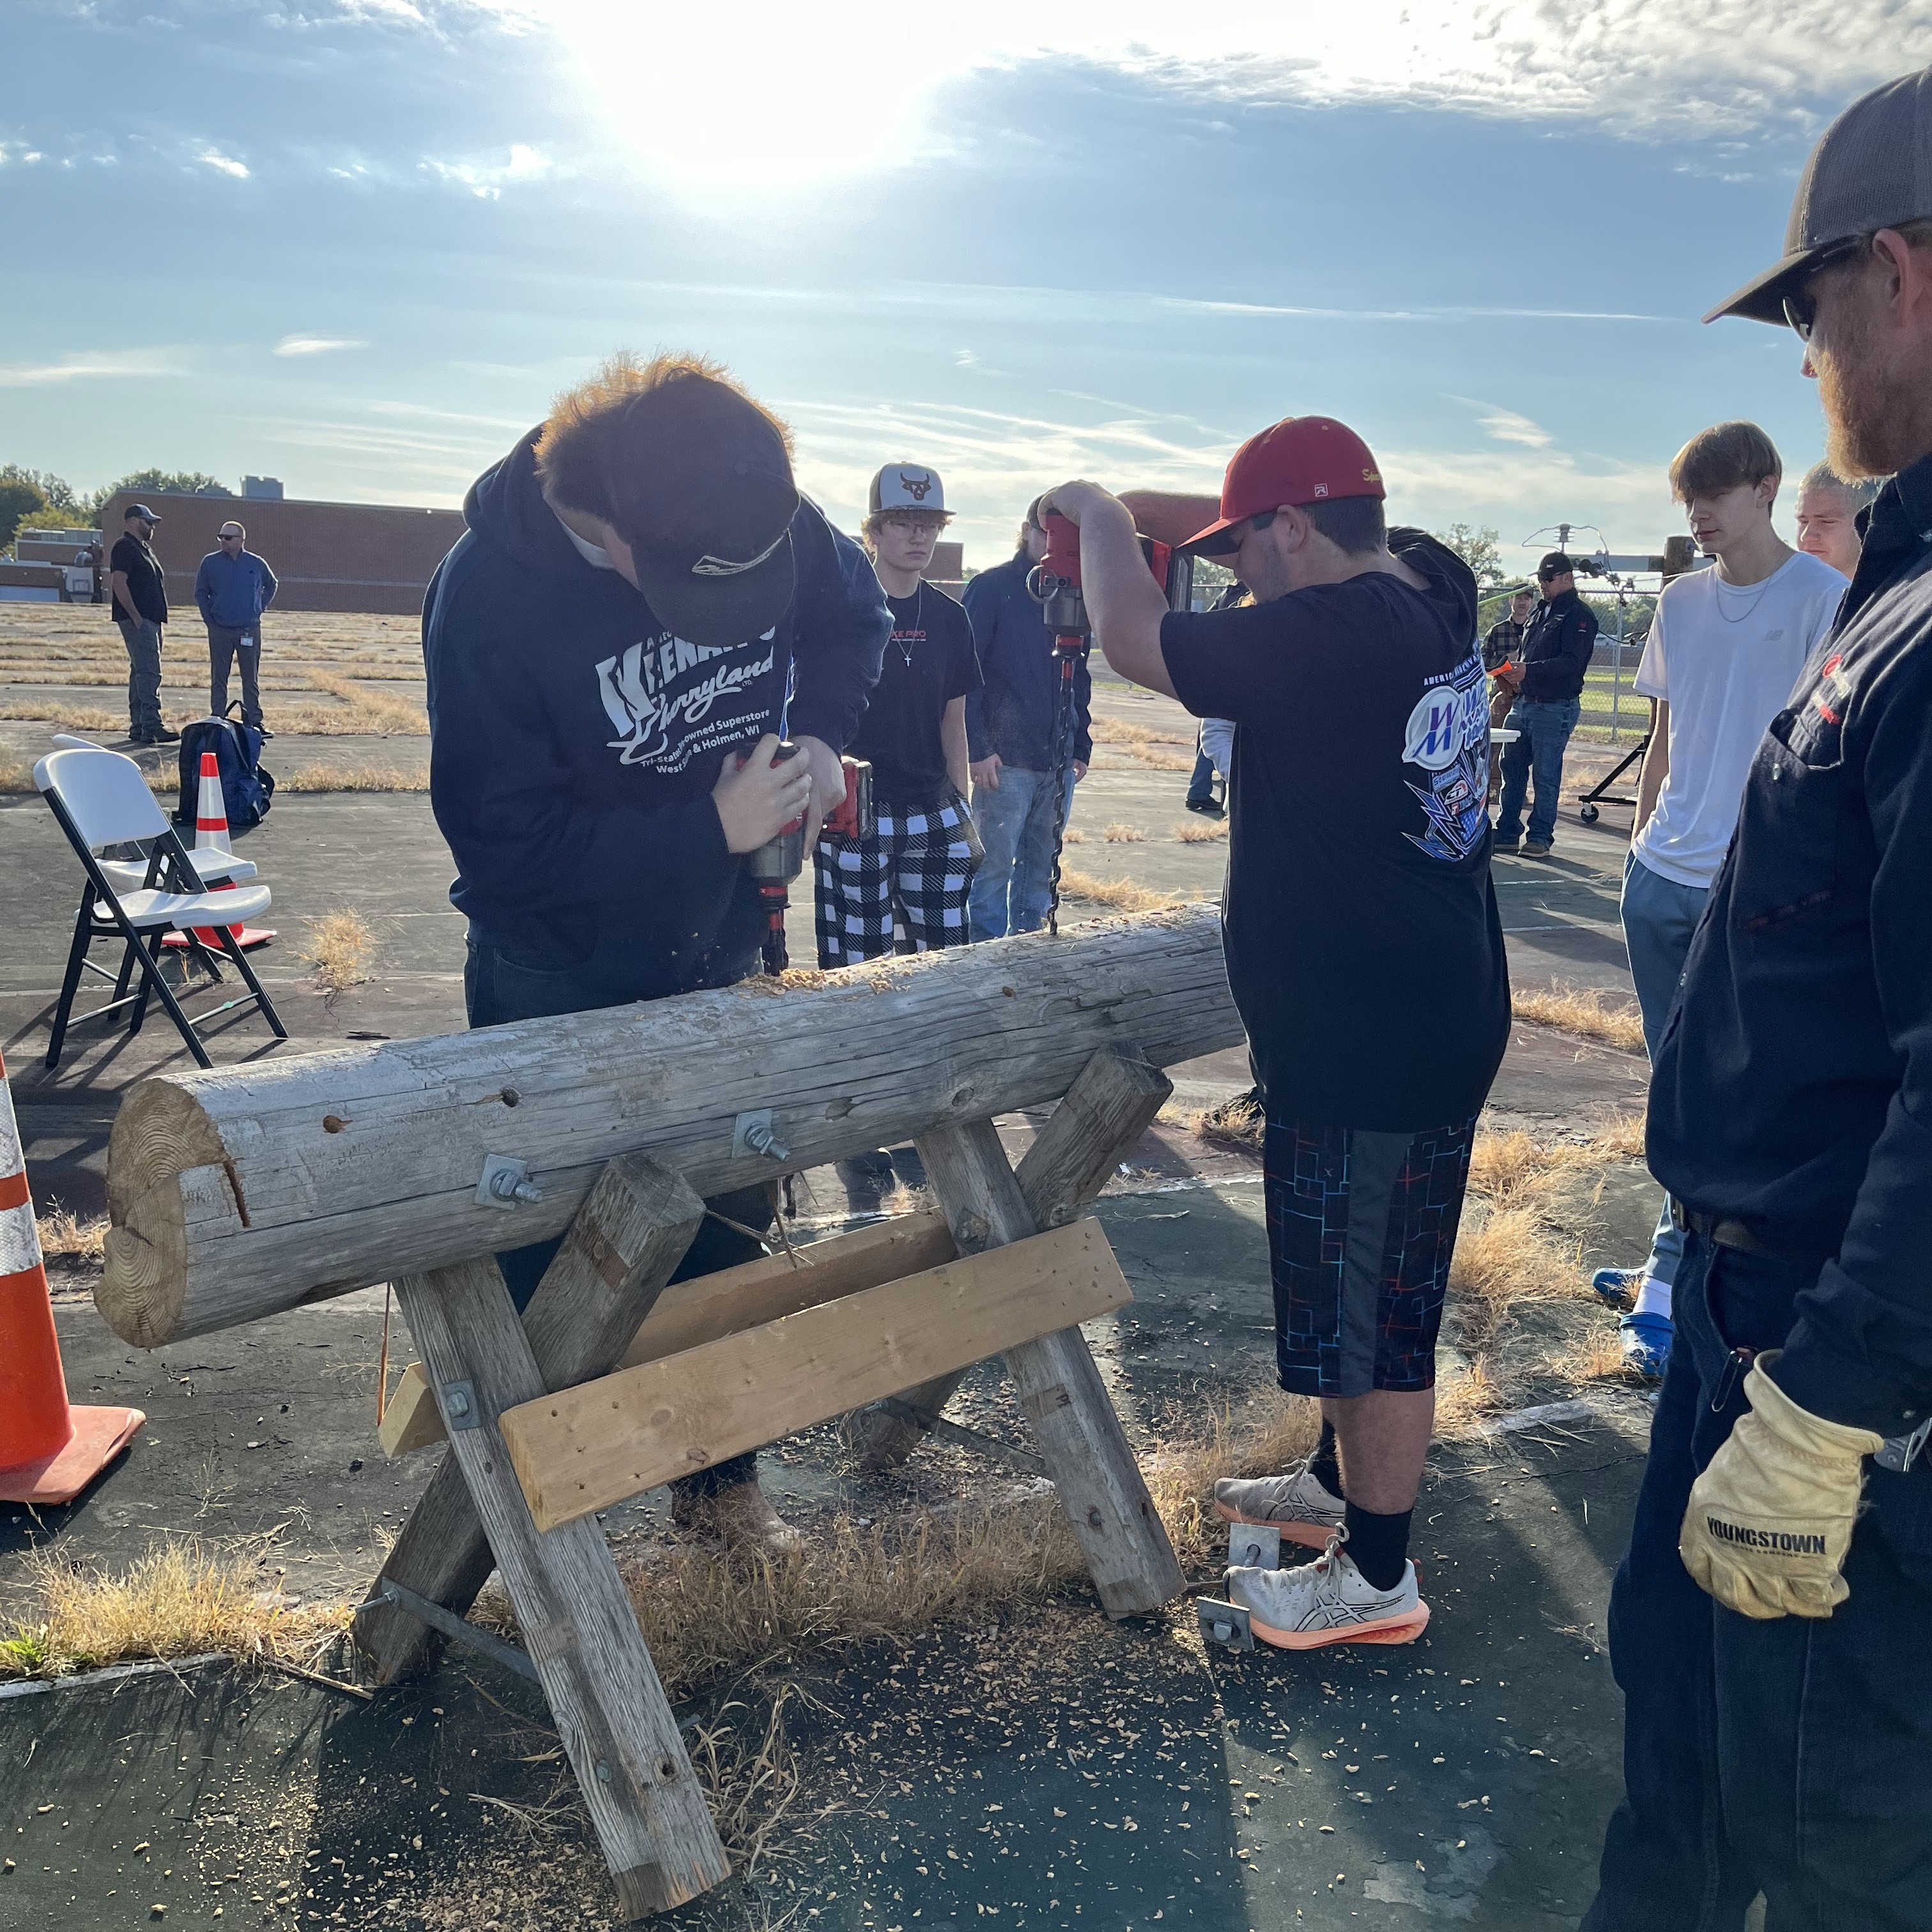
[739,1358]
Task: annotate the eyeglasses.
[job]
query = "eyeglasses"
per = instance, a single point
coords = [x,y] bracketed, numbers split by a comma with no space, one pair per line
[1230,539]
[1800,306]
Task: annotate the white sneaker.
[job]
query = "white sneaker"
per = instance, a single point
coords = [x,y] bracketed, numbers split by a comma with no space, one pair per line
[1327,1601]
[1296,1504]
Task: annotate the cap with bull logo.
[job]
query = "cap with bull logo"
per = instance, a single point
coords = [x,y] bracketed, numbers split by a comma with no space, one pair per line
[906,486]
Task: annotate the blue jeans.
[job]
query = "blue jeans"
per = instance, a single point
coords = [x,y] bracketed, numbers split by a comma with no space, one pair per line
[1791,1757]
[142,636]
[1201,786]
[497,990]
[1543,729]
[1659,917]
[1013,884]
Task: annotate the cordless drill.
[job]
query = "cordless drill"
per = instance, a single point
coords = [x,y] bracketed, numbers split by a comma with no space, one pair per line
[779,860]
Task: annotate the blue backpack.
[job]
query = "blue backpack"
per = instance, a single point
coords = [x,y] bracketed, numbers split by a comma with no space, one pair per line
[247,789]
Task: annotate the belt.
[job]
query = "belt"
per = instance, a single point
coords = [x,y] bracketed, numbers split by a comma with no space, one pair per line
[1726,1234]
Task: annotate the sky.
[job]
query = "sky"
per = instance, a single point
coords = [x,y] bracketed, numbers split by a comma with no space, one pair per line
[359,244]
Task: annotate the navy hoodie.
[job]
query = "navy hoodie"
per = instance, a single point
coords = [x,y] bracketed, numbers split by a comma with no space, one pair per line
[574,742]
[1013,714]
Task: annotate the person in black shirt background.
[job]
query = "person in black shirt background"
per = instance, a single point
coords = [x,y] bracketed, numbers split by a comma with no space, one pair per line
[1555,655]
[904,889]
[140,609]
[1365,954]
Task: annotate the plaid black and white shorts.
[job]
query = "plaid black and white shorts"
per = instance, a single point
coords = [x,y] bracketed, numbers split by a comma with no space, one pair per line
[902,891]
[1361,1230]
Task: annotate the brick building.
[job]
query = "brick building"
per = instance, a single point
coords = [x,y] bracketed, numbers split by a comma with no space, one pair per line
[326,557]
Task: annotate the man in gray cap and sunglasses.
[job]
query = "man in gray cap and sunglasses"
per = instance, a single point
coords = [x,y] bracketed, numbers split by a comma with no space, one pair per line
[1769,1623]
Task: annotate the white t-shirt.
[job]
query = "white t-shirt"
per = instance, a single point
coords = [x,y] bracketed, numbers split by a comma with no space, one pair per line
[1724,657]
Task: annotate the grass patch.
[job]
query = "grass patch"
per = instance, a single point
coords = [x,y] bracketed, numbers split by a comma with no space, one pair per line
[1120,833]
[74,717]
[339,947]
[1073,836]
[1122,895]
[16,776]
[1201,831]
[352,778]
[182,1600]
[1587,1012]
[65,1237]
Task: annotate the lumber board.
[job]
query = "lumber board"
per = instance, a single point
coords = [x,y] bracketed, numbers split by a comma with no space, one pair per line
[626,1241]
[1095,1477]
[689,1313]
[587,1447]
[236,1193]
[1097,1125]
[613,1718]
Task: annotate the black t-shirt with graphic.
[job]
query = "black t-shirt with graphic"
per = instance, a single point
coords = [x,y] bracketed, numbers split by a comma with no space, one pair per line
[928,661]
[145,584]
[1364,950]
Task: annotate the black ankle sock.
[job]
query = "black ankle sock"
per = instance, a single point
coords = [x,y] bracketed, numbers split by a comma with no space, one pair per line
[1378,1546]
[1322,1465]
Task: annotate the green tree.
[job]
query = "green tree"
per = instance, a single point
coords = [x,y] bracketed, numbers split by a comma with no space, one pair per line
[19,501]
[169,482]
[1476,548]
[56,492]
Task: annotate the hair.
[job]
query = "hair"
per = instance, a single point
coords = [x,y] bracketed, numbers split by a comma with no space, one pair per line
[1724,457]
[869,531]
[1857,492]
[1353,524]
[241,528]
[573,447]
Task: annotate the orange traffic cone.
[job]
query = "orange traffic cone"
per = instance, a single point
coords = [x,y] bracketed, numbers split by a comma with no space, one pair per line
[49,1453]
[210,828]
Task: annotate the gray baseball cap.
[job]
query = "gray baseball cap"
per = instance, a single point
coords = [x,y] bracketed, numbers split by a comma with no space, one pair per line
[1872,170]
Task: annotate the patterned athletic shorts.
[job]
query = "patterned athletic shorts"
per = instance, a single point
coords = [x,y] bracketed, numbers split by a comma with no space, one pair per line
[1361,1229]
[903,891]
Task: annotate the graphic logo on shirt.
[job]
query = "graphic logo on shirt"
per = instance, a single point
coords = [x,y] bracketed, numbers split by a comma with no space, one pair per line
[1448,738]
[671,701]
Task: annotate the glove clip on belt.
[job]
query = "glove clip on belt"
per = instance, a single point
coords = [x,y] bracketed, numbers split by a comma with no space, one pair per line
[1901,1452]
[1736,1363]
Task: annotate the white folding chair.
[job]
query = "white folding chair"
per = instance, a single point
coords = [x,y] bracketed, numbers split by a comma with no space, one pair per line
[99,798]
[213,865]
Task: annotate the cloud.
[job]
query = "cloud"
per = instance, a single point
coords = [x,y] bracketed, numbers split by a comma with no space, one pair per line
[808,93]
[315,345]
[526,164]
[1506,426]
[223,164]
[88,365]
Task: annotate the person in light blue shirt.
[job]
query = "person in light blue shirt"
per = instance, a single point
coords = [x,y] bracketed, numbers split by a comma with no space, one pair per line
[233,587]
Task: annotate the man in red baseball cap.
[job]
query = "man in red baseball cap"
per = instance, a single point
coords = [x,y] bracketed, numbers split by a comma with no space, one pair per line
[1364,952]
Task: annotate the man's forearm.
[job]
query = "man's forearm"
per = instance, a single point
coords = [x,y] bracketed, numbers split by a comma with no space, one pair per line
[1123,602]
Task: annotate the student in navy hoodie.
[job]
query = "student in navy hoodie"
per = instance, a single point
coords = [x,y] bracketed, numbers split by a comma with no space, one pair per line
[642,608]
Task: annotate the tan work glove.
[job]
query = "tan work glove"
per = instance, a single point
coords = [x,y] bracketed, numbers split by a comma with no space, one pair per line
[1770,1521]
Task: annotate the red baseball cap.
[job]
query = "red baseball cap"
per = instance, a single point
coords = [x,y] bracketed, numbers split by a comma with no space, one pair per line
[1301,459]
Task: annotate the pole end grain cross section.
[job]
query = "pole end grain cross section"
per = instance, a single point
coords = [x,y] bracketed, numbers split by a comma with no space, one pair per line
[585,1448]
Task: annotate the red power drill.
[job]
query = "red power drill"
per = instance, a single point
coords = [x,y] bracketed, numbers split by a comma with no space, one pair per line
[779,861]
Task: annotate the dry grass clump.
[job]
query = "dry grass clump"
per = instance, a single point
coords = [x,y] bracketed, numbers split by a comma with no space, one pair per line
[72,717]
[1122,895]
[352,778]
[16,775]
[1121,833]
[1586,1011]
[1201,831]
[360,713]
[65,1237]
[180,1600]
[1121,731]
[339,947]
[1073,836]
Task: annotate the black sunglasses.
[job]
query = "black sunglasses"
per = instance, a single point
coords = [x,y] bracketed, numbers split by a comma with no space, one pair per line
[1800,306]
